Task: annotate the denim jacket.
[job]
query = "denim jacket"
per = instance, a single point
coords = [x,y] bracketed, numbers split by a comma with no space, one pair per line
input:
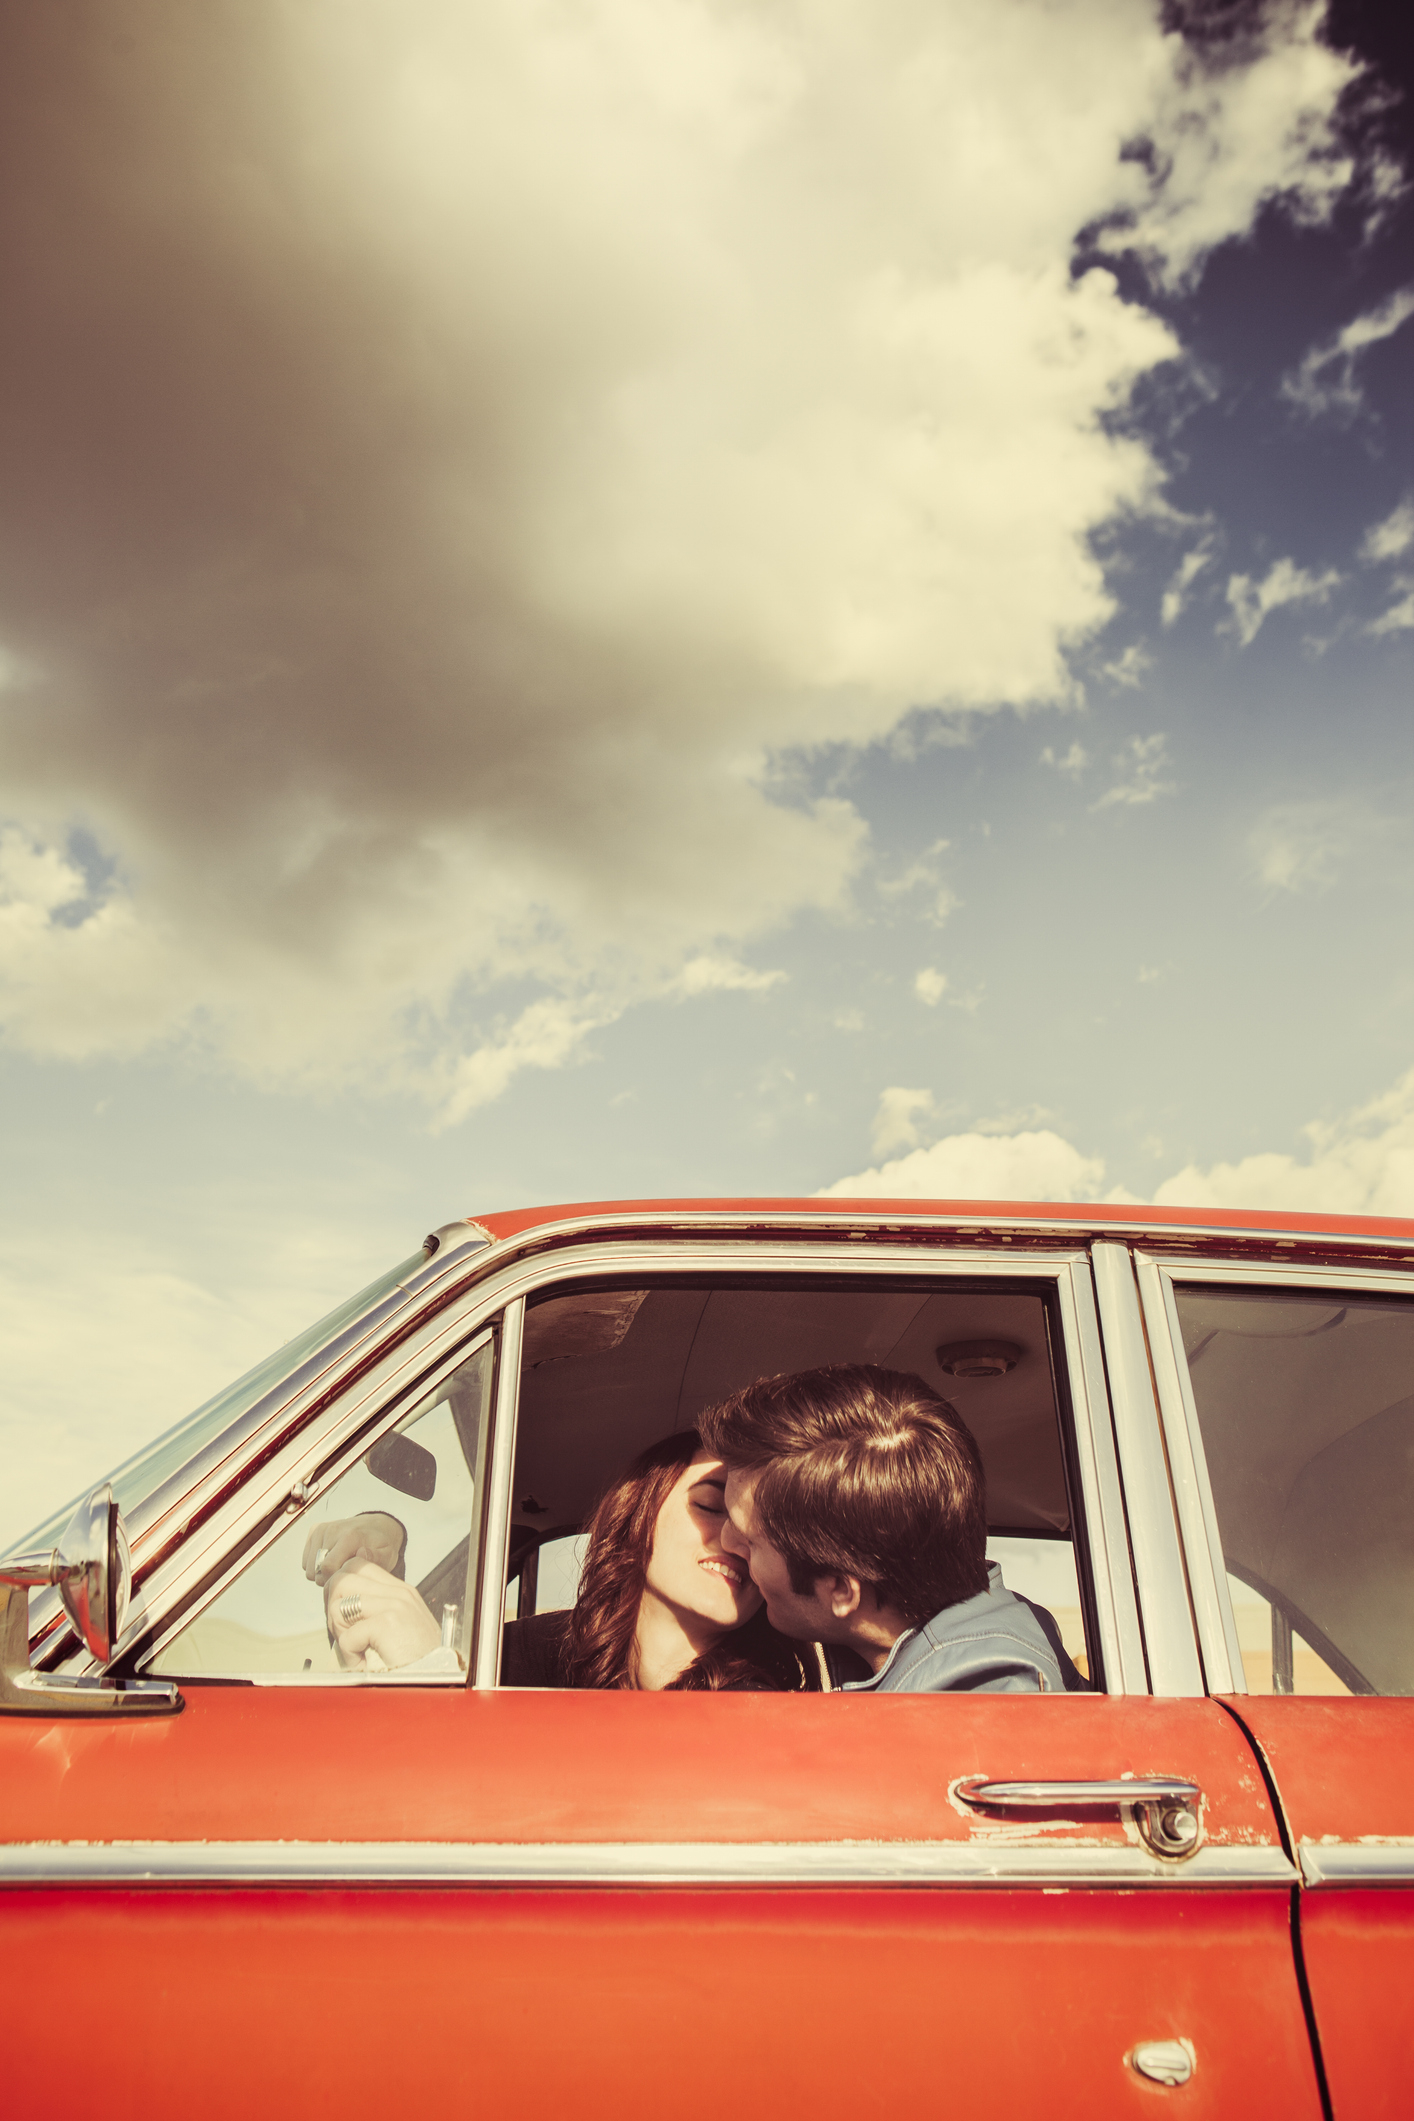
[991,1644]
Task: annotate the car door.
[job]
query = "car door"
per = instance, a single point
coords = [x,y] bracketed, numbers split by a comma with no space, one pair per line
[1288,1392]
[1054,1905]
[401,1894]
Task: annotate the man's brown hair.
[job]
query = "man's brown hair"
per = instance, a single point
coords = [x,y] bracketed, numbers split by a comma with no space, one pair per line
[861,1472]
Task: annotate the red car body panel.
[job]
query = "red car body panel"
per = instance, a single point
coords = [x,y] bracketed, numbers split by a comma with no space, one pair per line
[1343,1771]
[765,2005]
[1359,1951]
[773,2000]
[452,1764]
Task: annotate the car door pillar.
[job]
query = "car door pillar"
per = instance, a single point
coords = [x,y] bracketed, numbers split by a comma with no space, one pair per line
[1160,1577]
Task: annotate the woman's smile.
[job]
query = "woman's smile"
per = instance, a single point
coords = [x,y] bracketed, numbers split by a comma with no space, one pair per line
[733,1571]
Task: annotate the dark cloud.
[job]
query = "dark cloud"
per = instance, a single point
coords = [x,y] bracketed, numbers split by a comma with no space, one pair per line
[443,453]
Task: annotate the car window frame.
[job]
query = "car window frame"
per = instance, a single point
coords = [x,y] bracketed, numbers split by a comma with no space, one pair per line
[1158,1275]
[1103,1557]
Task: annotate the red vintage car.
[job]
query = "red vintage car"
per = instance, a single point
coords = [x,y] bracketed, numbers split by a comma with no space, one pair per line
[308,1890]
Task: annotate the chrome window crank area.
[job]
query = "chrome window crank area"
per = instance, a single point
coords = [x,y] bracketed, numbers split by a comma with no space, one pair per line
[1167,1808]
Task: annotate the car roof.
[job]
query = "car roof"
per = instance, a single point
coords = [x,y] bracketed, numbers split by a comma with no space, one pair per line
[1117,1219]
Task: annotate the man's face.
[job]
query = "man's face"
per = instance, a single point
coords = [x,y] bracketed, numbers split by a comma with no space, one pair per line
[804,1619]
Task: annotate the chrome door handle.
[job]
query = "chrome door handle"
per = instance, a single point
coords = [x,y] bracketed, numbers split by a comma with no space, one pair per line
[1167,1808]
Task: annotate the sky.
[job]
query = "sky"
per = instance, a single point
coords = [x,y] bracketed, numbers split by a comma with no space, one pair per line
[681,598]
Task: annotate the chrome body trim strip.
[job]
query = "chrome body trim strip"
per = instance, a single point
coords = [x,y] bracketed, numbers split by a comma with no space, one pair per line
[1174,1667]
[1325,1863]
[629,1863]
[491,1576]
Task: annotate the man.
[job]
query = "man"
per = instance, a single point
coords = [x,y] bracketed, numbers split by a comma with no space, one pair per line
[855,1496]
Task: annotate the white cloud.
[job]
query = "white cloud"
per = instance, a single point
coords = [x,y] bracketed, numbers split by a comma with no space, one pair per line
[1175,597]
[710,974]
[923,875]
[1302,846]
[534,421]
[547,1034]
[1399,617]
[1129,668]
[896,1121]
[1229,140]
[1036,1165]
[1389,539]
[930,985]
[1362,1164]
[1141,765]
[1072,763]
[1326,379]
[1283,583]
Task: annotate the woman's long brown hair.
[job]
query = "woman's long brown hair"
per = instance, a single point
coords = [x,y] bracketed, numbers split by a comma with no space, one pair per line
[602,1650]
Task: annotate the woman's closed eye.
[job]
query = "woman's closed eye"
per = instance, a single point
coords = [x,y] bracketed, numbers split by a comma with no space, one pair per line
[707,1496]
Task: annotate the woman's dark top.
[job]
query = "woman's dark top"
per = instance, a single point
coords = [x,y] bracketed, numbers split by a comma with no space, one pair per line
[535,1652]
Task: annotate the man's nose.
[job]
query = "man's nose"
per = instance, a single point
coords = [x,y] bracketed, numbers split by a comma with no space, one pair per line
[733,1542]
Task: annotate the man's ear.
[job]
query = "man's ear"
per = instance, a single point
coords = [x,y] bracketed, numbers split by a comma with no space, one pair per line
[843,1595]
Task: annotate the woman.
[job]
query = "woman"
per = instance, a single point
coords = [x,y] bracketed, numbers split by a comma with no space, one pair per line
[660,1605]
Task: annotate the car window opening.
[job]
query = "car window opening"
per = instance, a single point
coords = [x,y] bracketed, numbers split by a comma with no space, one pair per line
[1305,1400]
[608,1372]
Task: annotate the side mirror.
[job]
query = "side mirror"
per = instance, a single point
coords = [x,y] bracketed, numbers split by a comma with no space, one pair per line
[93,1570]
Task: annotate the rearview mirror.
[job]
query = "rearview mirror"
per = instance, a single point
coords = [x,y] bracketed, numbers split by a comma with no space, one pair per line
[402,1464]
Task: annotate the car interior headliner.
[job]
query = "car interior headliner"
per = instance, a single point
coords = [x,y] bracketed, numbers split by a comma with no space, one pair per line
[609,1370]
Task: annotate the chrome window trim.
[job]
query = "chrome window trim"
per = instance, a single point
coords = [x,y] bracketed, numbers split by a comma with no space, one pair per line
[635,1863]
[1325,1863]
[165,1604]
[867,1219]
[1174,1667]
[1193,1494]
[1112,1575]
[1157,1276]
[1354,1281]
[1117,1615]
[491,1573]
[418,1360]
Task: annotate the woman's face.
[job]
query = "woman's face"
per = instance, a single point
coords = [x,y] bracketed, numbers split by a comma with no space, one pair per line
[687,1569]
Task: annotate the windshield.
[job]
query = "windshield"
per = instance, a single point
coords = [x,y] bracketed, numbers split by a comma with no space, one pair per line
[141,1475]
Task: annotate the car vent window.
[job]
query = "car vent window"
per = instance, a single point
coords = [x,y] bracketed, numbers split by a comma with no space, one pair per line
[1306,1405]
[379,1574]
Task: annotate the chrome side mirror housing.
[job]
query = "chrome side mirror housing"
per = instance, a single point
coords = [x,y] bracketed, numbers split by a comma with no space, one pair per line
[93,1571]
